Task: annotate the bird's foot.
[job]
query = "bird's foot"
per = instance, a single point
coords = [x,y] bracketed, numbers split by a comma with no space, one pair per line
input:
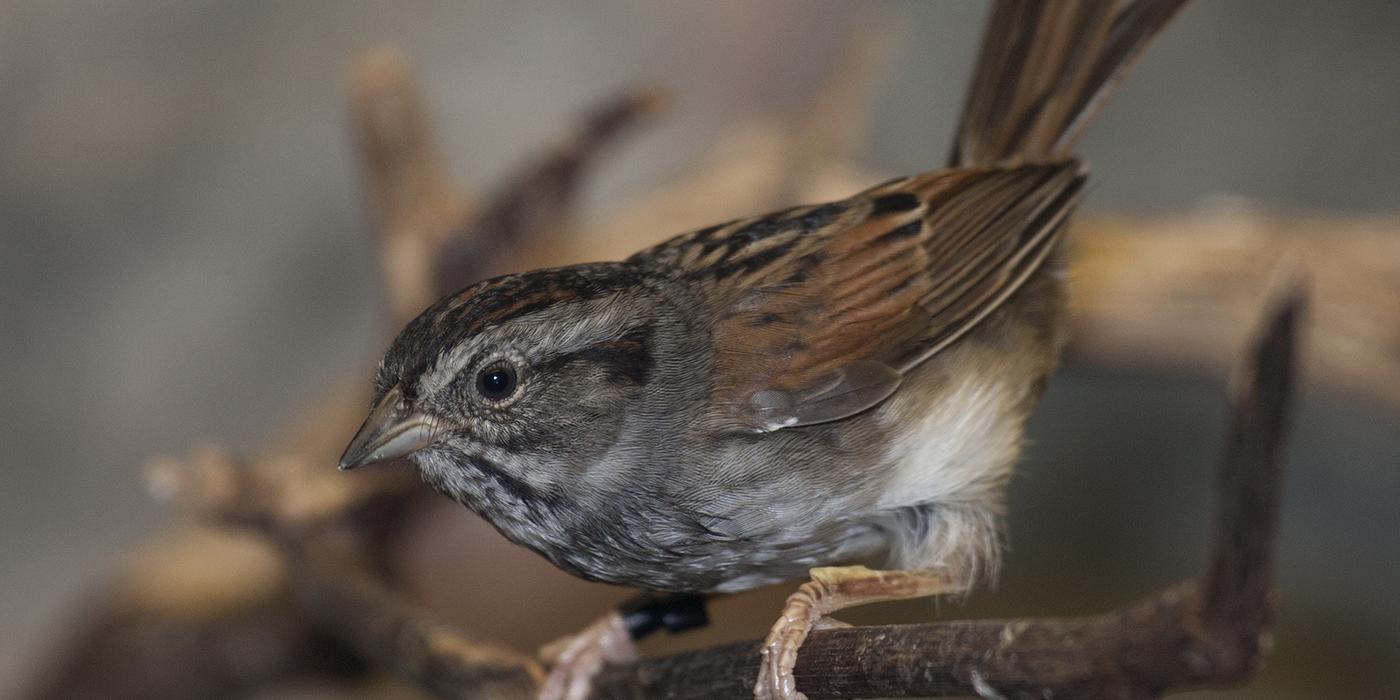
[801,614]
[831,589]
[576,660]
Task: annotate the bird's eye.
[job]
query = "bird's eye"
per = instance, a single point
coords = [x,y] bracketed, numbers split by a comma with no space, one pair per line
[497,382]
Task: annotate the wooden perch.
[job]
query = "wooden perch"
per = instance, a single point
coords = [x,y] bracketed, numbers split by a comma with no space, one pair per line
[1206,632]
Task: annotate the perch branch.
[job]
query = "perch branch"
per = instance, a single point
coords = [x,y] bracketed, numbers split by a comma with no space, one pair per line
[1204,632]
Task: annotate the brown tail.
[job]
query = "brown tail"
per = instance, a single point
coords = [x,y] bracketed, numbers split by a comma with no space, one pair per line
[1045,69]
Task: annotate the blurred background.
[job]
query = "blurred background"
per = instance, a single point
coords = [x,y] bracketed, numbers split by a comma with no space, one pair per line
[185,256]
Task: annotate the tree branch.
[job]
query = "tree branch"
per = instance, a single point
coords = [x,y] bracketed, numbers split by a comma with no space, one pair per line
[170,634]
[1199,633]
[1176,293]
[537,203]
[379,626]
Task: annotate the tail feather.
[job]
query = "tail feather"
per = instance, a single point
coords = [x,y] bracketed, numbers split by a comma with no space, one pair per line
[1045,69]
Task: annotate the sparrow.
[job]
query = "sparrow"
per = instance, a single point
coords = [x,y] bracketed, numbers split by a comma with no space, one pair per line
[786,396]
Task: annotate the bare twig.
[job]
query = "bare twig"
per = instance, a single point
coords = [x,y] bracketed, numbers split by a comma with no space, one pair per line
[1237,608]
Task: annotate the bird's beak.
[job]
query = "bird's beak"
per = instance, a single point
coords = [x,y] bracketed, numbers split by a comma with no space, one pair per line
[390,431]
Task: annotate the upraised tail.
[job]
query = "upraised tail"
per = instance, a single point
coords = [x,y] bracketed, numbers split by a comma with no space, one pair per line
[1045,69]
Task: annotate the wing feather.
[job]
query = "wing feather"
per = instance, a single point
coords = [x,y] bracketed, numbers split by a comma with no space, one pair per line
[825,308]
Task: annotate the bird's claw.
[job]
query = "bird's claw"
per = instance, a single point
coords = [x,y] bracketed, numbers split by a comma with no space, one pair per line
[800,616]
[576,660]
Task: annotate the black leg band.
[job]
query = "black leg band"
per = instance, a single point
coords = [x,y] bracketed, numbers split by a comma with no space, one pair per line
[677,612]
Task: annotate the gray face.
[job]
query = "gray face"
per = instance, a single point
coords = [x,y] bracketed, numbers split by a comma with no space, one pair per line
[539,406]
[525,383]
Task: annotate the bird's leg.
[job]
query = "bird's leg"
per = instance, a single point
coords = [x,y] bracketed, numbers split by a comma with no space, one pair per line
[831,589]
[612,639]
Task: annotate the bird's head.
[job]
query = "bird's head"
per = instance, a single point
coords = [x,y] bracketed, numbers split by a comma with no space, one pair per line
[519,382]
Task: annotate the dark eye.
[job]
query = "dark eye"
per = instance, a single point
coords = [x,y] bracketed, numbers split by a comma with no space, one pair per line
[496,383]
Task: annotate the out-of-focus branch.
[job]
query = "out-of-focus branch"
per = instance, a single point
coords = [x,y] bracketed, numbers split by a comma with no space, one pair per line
[1237,608]
[535,208]
[433,242]
[341,592]
[322,536]
[413,206]
[1176,293]
[837,119]
[1207,632]
[382,628]
[200,613]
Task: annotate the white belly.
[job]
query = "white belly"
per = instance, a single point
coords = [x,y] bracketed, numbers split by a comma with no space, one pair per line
[954,444]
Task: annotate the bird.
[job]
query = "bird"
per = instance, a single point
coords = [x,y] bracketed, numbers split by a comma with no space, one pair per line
[834,392]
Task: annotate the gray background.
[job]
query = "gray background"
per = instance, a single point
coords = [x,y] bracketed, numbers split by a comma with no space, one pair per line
[183,256]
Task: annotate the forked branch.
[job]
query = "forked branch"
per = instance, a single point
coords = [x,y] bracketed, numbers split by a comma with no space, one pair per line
[1208,631]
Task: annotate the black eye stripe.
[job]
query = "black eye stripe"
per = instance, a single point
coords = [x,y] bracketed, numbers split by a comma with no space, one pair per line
[625,360]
